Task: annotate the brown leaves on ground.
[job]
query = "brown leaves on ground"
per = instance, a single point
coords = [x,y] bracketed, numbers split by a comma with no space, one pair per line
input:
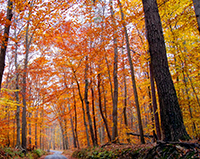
[171,150]
[68,153]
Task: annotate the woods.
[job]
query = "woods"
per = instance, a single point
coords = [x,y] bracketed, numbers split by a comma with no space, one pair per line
[86,73]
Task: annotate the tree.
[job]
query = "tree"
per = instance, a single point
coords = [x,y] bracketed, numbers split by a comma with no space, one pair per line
[5,38]
[132,75]
[171,115]
[115,79]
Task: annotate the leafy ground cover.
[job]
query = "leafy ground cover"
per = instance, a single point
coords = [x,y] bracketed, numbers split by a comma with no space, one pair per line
[159,150]
[12,153]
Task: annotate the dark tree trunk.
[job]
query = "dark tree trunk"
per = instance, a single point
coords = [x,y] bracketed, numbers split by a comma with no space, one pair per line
[75,113]
[100,108]
[115,79]
[83,109]
[5,39]
[87,104]
[171,115]
[94,118]
[27,44]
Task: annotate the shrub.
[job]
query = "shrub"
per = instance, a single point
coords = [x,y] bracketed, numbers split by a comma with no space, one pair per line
[38,152]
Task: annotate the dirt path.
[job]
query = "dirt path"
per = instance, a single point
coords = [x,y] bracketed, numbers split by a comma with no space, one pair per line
[68,156]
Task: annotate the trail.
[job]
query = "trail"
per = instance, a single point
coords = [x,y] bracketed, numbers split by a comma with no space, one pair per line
[56,155]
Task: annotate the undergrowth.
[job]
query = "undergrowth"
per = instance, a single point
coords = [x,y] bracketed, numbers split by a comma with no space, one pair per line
[146,151]
[12,153]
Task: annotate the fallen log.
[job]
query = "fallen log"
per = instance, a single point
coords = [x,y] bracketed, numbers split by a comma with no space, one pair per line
[134,134]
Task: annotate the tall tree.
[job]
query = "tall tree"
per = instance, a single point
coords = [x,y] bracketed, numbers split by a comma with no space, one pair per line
[132,75]
[115,79]
[17,92]
[5,38]
[28,41]
[171,115]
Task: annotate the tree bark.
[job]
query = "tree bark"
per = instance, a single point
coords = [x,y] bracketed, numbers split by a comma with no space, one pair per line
[171,115]
[5,39]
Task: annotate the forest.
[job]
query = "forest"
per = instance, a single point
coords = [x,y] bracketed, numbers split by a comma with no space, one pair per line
[84,73]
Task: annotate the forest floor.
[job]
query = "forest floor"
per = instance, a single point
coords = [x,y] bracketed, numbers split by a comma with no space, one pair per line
[170,150]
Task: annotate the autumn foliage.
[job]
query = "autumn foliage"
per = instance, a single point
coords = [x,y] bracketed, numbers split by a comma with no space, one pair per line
[70,86]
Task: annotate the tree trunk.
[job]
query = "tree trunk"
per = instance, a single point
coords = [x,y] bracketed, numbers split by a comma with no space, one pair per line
[41,130]
[66,135]
[30,130]
[83,109]
[75,127]
[132,76]
[73,133]
[36,136]
[5,39]
[94,118]
[100,108]
[27,44]
[125,98]
[115,68]
[17,94]
[24,122]
[87,104]
[155,108]
[196,4]
[171,115]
